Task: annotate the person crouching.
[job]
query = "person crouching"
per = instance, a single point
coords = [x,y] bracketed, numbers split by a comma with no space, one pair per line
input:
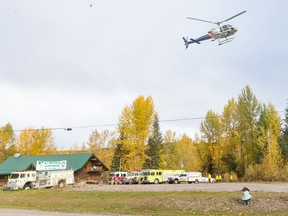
[246,196]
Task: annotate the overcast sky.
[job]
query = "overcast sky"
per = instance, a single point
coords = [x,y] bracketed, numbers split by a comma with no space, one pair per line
[77,63]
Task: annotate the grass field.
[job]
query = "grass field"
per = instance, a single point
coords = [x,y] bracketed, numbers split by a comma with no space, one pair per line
[146,203]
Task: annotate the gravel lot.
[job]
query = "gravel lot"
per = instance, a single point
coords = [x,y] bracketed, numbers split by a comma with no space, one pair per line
[265,187]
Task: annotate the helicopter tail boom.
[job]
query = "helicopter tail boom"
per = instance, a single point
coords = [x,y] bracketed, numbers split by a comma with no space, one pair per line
[204,37]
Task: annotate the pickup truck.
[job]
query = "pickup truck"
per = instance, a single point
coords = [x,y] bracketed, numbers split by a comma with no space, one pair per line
[178,178]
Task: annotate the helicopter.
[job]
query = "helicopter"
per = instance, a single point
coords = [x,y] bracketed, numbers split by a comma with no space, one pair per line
[222,33]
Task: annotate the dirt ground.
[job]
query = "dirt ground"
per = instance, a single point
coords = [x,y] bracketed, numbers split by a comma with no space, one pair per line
[265,187]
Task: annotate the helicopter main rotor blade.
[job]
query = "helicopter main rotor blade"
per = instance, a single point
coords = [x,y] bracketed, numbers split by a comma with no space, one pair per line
[201,20]
[231,17]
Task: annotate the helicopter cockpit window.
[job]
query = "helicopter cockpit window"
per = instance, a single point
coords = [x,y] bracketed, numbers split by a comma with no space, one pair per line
[225,28]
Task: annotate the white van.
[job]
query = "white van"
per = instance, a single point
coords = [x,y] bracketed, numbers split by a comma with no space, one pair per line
[196,177]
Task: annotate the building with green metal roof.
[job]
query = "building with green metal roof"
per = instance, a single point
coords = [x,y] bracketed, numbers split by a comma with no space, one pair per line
[86,166]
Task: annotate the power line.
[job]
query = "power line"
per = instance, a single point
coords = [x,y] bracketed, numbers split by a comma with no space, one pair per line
[115,124]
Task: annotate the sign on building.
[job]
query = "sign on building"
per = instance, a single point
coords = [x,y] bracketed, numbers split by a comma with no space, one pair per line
[51,165]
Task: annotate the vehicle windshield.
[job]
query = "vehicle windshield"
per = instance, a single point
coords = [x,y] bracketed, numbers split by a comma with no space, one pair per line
[145,173]
[14,176]
[225,28]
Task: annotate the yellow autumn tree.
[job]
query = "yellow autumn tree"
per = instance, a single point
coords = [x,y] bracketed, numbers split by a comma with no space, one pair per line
[7,142]
[135,127]
[186,151]
[268,142]
[230,133]
[170,154]
[210,129]
[36,142]
[102,145]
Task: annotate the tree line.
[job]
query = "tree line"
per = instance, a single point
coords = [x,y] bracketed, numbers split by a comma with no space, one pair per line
[248,140]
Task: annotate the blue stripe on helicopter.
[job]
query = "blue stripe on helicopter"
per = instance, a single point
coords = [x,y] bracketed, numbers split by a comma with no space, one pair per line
[204,37]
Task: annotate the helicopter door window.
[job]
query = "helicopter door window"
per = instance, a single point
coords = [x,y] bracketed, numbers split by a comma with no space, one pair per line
[225,28]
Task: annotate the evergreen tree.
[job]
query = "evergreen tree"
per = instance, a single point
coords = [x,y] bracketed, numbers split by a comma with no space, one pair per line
[230,123]
[155,144]
[116,160]
[283,142]
[119,156]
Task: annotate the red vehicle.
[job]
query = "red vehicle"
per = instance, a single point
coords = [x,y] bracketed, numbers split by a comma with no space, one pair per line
[117,177]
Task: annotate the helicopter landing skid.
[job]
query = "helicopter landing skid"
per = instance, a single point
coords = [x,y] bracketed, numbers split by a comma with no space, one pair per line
[224,41]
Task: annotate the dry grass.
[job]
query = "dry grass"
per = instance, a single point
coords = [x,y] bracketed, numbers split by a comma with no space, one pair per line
[146,203]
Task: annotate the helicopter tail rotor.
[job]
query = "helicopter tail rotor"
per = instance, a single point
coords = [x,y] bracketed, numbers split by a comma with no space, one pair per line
[186,42]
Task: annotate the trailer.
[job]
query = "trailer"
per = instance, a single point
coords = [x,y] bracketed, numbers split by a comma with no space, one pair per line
[39,179]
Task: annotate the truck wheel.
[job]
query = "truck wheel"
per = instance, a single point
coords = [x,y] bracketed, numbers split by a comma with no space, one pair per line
[156,181]
[27,186]
[61,184]
[196,181]
[176,181]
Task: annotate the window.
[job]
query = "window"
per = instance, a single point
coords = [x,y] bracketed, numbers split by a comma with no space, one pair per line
[14,176]
[225,28]
[22,175]
[152,173]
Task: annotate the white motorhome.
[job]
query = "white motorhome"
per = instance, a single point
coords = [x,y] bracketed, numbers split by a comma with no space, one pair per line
[39,179]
